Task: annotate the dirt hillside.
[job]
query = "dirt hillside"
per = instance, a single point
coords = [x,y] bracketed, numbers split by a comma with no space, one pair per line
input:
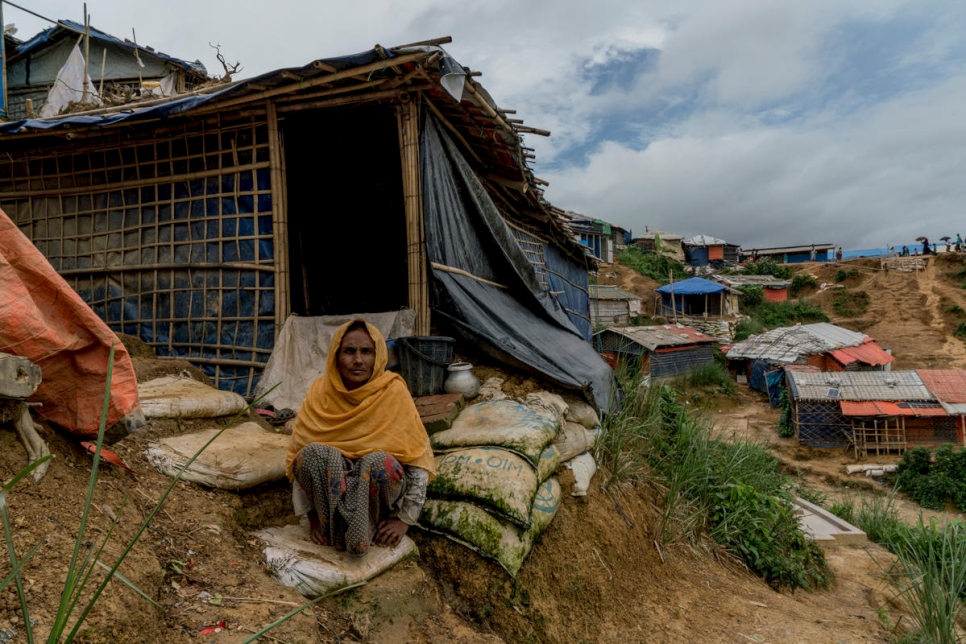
[595,576]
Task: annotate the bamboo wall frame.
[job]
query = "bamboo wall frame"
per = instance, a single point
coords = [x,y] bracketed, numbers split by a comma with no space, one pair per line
[407,114]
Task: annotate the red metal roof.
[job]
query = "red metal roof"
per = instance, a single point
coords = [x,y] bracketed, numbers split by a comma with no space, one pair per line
[883,408]
[868,352]
[949,386]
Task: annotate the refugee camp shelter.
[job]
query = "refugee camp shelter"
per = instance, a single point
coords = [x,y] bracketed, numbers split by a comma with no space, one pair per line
[773,288]
[791,254]
[600,237]
[669,243]
[695,297]
[363,183]
[117,65]
[823,345]
[702,250]
[610,306]
[872,412]
[660,351]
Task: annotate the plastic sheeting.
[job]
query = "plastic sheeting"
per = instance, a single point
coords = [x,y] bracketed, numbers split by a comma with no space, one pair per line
[568,280]
[43,319]
[69,86]
[518,322]
[302,348]
[693,286]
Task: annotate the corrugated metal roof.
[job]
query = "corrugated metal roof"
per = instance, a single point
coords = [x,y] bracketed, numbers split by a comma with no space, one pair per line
[835,336]
[664,235]
[607,292]
[948,385]
[885,408]
[777,250]
[765,281]
[858,385]
[868,352]
[955,409]
[703,240]
[665,335]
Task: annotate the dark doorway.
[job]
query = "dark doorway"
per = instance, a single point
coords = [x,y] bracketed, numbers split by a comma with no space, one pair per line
[347,221]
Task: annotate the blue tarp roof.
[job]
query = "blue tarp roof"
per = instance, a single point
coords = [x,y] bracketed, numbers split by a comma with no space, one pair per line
[693,286]
[69,25]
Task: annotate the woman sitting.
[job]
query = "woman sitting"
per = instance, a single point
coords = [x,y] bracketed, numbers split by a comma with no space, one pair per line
[359,457]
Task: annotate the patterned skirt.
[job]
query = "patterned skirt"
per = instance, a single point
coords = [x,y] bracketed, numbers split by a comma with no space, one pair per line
[350,497]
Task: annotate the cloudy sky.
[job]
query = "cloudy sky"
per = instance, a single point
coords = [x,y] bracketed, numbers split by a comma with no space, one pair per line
[761,122]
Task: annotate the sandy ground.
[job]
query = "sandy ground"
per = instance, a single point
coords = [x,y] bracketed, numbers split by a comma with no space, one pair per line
[595,576]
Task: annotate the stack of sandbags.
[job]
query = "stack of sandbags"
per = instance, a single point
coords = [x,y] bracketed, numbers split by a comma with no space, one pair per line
[494,490]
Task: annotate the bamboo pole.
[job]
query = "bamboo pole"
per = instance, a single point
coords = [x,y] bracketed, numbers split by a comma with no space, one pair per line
[485,106]
[407,116]
[279,220]
[348,100]
[100,91]
[87,54]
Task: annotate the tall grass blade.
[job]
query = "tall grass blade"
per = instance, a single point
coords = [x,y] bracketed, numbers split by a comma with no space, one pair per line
[130,584]
[12,554]
[25,471]
[288,616]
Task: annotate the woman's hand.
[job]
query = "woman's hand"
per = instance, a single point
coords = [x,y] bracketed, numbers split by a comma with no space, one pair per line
[315,529]
[390,532]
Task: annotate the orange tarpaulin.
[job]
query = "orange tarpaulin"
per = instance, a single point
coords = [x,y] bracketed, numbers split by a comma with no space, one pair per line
[42,318]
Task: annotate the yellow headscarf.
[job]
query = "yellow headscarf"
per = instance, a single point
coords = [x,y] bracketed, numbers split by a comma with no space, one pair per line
[379,415]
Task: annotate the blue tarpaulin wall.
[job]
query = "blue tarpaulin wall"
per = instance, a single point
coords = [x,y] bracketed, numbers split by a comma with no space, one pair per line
[697,256]
[521,324]
[568,280]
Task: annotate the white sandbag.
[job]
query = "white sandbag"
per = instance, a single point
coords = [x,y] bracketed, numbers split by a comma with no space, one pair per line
[492,389]
[242,457]
[549,461]
[316,570]
[181,397]
[584,467]
[544,400]
[504,423]
[480,531]
[579,411]
[499,480]
[574,439]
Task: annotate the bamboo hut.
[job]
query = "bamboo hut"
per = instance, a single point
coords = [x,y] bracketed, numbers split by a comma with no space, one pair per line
[369,182]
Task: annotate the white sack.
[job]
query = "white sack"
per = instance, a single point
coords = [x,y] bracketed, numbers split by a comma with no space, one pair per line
[316,570]
[502,423]
[302,348]
[242,457]
[180,397]
[574,439]
[584,467]
[480,531]
[579,411]
[69,86]
[552,403]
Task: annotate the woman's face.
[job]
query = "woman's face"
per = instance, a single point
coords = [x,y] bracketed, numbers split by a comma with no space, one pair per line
[357,356]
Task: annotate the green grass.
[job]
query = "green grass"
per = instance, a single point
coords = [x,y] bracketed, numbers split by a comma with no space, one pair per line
[747,327]
[843,275]
[713,378]
[955,309]
[734,492]
[653,265]
[850,304]
[960,331]
[775,314]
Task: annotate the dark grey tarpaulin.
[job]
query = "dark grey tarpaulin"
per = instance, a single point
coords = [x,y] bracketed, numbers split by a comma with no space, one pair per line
[512,317]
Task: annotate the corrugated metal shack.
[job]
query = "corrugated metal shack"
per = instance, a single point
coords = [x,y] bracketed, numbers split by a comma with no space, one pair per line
[610,306]
[791,254]
[773,288]
[670,243]
[32,66]
[201,223]
[702,250]
[871,411]
[662,351]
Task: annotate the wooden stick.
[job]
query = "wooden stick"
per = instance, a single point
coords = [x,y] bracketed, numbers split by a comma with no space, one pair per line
[87,53]
[459,271]
[452,130]
[279,221]
[470,86]
[256,600]
[532,130]
[100,91]
[444,40]
[348,100]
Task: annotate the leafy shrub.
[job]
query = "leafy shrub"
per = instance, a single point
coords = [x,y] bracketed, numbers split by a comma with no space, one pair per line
[652,264]
[775,314]
[960,331]
[786,428]
[767,267]
[747,327]
[751,296]
[843,275]
[933,477]
[850,304]
[801,282]
[955,309]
